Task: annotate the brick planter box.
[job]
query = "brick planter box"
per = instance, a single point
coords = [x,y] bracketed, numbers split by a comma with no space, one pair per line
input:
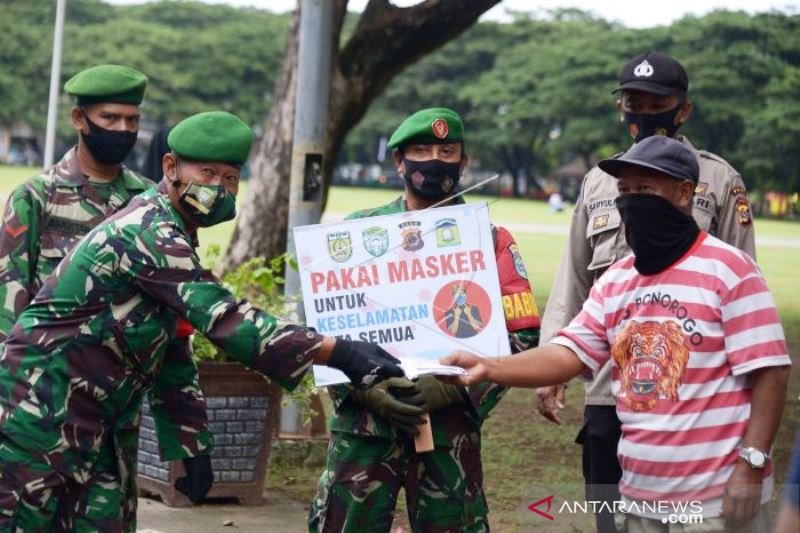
[243,414]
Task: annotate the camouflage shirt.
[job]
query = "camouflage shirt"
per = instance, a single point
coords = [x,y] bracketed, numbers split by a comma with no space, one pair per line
[522,321]
[44,218]
[81,355]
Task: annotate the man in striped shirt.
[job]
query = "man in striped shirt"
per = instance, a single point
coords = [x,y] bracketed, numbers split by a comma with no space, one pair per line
[700,364]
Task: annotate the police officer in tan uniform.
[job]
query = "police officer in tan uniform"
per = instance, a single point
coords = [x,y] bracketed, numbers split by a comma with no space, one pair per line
[652,100]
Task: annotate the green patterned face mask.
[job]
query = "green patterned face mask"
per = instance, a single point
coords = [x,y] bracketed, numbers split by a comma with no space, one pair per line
[208,205]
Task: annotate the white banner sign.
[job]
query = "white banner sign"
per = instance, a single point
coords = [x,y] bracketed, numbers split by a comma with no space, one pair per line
[420,283]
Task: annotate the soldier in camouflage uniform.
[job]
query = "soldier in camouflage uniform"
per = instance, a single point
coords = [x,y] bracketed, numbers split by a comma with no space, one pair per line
[81,356]
[653,101]
[48,214]
[371,454]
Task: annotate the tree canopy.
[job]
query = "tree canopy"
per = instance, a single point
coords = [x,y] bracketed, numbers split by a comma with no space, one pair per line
[534,93]
[197,56]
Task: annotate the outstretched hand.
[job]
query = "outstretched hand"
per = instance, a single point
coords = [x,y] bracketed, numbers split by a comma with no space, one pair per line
[473,364]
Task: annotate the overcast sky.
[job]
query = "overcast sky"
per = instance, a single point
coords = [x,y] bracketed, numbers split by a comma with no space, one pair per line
[632,14]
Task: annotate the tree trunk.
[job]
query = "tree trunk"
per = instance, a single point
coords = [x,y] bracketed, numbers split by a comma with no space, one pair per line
[261,225]
[386,41]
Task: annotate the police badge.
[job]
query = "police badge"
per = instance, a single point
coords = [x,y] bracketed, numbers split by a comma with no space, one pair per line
[340,247]
[376,240]
[412,235]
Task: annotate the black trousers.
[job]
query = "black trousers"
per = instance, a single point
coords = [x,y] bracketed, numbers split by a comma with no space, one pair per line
[601,471]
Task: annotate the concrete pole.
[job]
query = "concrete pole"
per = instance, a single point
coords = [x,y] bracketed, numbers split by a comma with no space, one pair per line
[310,124]
[55,85]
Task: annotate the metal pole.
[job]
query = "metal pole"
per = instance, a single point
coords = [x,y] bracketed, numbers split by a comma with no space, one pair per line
[310,123]
[55,83]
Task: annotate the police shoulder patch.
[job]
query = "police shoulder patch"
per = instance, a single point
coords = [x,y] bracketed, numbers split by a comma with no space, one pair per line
[743,215]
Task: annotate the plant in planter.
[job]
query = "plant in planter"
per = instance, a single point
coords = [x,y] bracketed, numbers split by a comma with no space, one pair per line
[243,407]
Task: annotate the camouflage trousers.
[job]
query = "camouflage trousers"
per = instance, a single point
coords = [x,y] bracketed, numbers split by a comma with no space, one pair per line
[35,498]
[358,490]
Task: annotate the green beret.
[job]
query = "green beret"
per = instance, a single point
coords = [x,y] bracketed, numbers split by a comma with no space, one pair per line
[437,125]
[107,83]
[212,136]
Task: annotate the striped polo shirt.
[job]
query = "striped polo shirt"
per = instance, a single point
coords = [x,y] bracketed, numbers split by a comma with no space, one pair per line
[682,343]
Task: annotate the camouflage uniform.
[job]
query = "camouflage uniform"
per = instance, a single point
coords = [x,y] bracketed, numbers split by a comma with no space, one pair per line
[596,241]
[81,356]
[44,218]
[369,460]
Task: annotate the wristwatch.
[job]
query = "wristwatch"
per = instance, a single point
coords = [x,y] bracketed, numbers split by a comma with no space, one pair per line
[754,457]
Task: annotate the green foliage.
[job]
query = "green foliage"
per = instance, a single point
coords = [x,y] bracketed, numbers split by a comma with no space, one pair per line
[536,93]
[197,56]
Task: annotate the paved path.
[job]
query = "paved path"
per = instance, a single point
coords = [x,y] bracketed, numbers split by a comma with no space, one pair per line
[278,514]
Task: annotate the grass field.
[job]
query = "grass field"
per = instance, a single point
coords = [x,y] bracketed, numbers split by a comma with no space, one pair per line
[525,457]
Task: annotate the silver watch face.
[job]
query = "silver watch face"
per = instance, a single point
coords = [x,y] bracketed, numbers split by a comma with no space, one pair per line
[757,458]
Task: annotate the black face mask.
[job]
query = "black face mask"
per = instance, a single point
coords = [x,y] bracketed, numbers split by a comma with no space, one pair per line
[642,126]
[658,232]
[432,179]
[108,146]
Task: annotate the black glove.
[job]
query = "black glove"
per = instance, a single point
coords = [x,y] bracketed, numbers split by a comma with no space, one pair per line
[386,400]
[198,479]
[365,364]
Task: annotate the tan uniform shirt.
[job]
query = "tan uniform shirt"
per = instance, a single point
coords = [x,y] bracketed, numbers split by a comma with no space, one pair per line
[597,240]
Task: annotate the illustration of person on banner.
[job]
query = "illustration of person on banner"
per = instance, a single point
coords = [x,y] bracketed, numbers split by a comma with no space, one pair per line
[462,319]
[371,453]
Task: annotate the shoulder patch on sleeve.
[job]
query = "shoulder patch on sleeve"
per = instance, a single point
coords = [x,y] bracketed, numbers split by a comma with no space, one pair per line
[519,266]
[743,215]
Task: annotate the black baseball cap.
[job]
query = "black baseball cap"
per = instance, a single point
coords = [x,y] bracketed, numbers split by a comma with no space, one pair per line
[653,72]
[660,153]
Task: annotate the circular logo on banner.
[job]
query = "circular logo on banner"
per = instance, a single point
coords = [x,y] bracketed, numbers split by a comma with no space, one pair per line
[462,309]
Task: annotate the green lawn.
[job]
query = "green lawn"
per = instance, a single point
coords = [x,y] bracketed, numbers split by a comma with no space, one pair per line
[525,457]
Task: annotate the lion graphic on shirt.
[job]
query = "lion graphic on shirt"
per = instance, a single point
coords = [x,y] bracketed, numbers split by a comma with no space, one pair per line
[651,357]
